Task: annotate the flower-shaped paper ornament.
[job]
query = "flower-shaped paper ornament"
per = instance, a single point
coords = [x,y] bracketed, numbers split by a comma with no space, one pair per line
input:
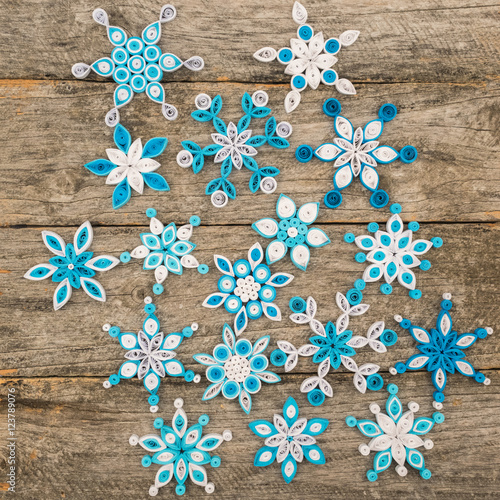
[247,288]
[442,350]
[73,266]
[309,59]
[289,439]
[292,231]
[237,368]
[131,166]
[137,64]
[181,451]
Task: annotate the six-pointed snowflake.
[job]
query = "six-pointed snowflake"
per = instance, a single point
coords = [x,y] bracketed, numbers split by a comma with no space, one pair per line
[150,354]
[130,166]
[333,345]
[309,59]
[441,350]
[72,266]
[237,368]
[165,249]
[181,451]
[289,439]
[292,232]
[235,146]
[396,436]
[247,288]
[137,64]
[393,253]
[357,153]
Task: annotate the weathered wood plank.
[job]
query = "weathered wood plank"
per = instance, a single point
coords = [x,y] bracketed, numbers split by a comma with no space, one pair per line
[40,342]
[73,442]
[53,129]
[443,40]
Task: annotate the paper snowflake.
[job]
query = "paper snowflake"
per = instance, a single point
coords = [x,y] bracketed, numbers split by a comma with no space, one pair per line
[237,368]
[289,439]
[137,64]
[333,345]
[165,249]
[396,436]
[181,451]
[292,232]
[441,350]
[392,254]
[309,59]
[72,266]
[235,146]
[130,166]
[357,153]
[247,288]
[150,354]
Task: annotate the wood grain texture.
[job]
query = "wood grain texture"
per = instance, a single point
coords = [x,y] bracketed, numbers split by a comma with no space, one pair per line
[437,60]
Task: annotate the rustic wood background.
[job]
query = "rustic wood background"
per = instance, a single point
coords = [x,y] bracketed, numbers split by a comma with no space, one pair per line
[437,60]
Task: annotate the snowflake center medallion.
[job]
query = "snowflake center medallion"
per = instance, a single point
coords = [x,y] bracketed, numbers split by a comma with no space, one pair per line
[237,368]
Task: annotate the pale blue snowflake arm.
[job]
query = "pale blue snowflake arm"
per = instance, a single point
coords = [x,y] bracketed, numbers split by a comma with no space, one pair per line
[357,153]
[73,266]
[288,440]
[235,146]
[395,436]
[309,59]
[150,355]
[442,351]
[237,368]
[137,64]
[181,451]
[292,231]
[247,289]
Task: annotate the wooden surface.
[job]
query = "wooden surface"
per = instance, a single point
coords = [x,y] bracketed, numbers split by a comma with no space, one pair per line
[438,61]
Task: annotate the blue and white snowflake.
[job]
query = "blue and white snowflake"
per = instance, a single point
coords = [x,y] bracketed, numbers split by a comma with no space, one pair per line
[310,59]
[289,439]
[357,153]
[237,368]
[137,64]
[333,345]
[181,451]
[234,146]
[72,266]
[150,354]
[292,232]
[130,166]
[392,254]
[165,249]
[396,436]
[442,350]
[247,288]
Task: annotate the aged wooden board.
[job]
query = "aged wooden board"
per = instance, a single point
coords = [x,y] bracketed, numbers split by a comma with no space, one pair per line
[416,41]
[455,128]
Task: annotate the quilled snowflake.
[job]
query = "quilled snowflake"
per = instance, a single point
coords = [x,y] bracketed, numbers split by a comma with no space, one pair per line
[392,254]
[137,64]
[130,166]
[72,266]
[181,451]
[166,249]
[150,354]
[247,288]
[333,345]
[237,368]
[396,436]
[235,146]
[357,153]
[441,350]
[292,232]
[289,439]
[309,59]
